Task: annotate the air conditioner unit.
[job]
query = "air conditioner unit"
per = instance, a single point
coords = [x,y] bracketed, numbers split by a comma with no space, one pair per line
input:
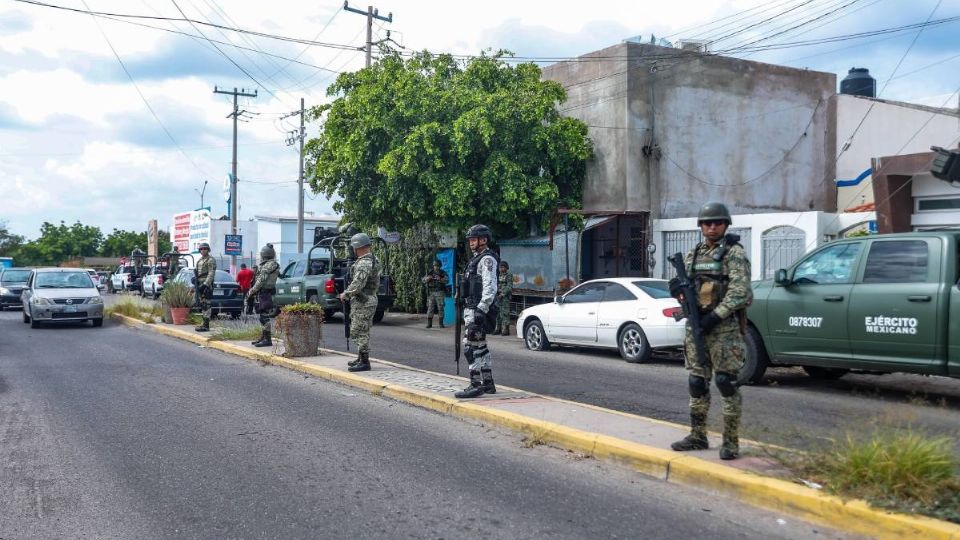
[695,45]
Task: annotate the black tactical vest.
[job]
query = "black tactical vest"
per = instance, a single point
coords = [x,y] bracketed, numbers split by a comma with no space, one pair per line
[471,286]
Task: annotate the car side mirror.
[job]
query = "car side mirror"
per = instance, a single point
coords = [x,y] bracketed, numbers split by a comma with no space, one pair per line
[558,299]
[782,279]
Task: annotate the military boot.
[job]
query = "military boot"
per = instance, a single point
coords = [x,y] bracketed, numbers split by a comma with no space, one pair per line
[731,438]
[363,363]
[697,439]
[355,361]
[440,320]
[259,339]
[265,341]
[475,389]
[205,327]
[429,322]
[506,329]
[486,376]
[496,331]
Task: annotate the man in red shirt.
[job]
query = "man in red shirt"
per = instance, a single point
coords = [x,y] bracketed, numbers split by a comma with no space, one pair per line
[245,280]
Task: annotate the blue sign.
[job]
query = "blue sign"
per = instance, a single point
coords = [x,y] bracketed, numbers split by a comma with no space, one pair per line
[872,226]
[233,244]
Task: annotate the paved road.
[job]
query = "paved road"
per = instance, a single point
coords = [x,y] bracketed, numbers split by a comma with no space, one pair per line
[121,433]
[790,408]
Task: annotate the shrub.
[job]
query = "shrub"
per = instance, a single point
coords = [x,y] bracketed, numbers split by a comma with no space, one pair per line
[176,295]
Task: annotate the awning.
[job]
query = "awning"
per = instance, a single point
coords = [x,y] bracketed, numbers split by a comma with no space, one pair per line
[596,221]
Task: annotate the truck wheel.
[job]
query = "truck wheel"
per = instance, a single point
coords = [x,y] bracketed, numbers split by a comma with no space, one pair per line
[825,373]
[378,315]
[535,338]
[328,314]
[757,358]
[633,344]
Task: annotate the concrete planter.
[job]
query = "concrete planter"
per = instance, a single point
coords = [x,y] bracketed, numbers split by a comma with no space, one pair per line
[302,333]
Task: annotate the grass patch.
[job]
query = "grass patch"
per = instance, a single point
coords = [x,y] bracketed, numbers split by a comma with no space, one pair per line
[899,469]
[236,334]
[132,308]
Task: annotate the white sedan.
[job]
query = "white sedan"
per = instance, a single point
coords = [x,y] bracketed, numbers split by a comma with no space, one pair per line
[632,315]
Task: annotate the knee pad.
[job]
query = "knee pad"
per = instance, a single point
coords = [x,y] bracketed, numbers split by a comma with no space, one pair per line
[468,353]
[698,386]
[727,384]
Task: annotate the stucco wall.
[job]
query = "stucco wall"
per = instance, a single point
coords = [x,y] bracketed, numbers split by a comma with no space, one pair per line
[758,136]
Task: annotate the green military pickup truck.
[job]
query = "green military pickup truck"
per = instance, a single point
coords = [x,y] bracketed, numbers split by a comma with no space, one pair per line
[879,304]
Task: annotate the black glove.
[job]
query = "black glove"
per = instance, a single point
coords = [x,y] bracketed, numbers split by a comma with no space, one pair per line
[676,287]
[709,321]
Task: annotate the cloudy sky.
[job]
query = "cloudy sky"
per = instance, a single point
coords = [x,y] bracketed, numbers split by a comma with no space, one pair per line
[84,137]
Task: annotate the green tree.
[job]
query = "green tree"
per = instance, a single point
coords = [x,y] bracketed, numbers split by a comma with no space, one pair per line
[59,243]
[9,242]
[444,142]
[120,243]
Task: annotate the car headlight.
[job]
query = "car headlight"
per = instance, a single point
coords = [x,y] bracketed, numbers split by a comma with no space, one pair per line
[41,301]
[4,290]
[94,300]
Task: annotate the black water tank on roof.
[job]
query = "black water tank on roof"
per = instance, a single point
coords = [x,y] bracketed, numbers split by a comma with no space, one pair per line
[858,82]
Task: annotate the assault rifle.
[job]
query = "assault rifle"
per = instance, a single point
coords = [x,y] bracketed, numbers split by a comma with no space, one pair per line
[347,278]
[458,319]
[681,287]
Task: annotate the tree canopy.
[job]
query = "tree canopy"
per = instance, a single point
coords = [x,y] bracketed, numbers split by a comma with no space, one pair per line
[59,243]
[435,140]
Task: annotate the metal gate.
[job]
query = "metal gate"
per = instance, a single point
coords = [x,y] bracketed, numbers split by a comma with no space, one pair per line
[684,241]
[781,247]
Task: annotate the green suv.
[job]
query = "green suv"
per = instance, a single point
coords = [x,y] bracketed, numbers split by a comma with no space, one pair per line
[880,304]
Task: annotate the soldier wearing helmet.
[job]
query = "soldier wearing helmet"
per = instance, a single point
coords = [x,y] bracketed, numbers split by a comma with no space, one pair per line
[720,272]
[264,287]
[479,291]
[205,271]
[436,282]
[362,295]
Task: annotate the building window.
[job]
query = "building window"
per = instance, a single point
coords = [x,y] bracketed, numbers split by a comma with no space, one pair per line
[938,205]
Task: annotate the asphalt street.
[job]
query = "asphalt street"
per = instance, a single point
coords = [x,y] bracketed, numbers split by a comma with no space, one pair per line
[116,432]
[789,408]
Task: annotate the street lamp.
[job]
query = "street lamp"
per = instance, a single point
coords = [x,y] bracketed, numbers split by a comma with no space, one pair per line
[201,192]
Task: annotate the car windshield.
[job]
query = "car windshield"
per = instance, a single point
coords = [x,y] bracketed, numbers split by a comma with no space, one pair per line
[63,280]
[13,276]
[653,288]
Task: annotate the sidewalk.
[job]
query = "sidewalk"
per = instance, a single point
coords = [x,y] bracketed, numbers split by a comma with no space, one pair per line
[639,442]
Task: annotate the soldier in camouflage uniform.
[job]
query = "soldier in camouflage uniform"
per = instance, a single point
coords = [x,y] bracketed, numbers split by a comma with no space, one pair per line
[205,272]
[436,281]
[264,287]
[478,291]
[720,272]
[173,263]
[362,295]
[504,290]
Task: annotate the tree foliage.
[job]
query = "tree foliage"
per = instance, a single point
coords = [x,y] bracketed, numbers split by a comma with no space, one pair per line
[435,140]
[59,243]
[9,242]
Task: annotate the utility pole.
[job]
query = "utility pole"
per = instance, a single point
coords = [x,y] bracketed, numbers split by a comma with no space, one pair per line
[233,178]
[371,15]
[294,137]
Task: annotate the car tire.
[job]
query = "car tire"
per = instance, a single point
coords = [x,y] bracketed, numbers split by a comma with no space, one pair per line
[155,295]
[97,322]
[34,323]
[378,315]
[328,314]
[825,373]
[633,345]
[757,358]
[534,337]
[26,318]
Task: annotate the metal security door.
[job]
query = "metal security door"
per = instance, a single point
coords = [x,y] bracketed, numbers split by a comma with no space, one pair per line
[781,247]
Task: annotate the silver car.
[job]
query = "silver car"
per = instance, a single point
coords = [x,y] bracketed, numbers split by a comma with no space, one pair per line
[61,294]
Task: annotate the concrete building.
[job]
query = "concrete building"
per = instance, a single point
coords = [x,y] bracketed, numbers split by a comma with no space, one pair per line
[909,198]
[281,231]
[673,129]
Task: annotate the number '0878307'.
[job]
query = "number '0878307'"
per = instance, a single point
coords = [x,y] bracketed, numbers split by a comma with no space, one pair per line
[805,322]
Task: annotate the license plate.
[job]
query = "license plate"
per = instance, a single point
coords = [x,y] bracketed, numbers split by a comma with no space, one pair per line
[70,309]
[219,293]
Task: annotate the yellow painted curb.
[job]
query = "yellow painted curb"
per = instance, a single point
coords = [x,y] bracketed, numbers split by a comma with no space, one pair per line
[806,503]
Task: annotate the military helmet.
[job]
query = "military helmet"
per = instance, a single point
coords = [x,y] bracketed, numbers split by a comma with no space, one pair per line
[505,264]
[359,240]
[714,211]
[203,245]
[480,231]
[437,262]
[267,252]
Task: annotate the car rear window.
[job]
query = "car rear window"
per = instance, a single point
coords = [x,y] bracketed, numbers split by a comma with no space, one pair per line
[654,289]
[15,275]
[897,261]
[223,277]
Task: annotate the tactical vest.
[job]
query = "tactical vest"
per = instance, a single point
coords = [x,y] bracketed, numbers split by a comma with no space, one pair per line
[372,285]
[471,287]
[272,270]
[710,275]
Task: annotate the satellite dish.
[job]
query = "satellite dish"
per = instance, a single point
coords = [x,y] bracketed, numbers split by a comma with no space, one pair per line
[227,181]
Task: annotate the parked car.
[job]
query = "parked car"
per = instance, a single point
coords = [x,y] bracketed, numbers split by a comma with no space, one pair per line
[226,292]
[881,303]
[152,281]
[95,277]
[12,283]
[123,279]
[632,315]
[61,294]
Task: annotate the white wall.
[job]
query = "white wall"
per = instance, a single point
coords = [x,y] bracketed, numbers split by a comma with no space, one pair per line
[885,132]
[925,186]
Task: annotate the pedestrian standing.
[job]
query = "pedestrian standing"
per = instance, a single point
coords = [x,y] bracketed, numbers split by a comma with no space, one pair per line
[436,281]
[205,272]
[263,290]
[720,272]
[362,295]
[504,290]
[479,292]
[245,279]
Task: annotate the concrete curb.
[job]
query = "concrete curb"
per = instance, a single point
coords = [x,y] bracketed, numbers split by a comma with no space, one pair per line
[770,493]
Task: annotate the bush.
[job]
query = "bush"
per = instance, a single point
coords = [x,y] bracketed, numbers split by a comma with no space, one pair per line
[176,295]
[303,307]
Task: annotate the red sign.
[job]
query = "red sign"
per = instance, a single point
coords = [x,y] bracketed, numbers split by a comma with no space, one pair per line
[180,236]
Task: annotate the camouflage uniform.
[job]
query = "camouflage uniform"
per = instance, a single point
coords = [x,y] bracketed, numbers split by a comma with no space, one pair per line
[436,281]
[173,263]
[725,350]
[478,292]
[264,287]
[206,270]
[504,290]
[362,295]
